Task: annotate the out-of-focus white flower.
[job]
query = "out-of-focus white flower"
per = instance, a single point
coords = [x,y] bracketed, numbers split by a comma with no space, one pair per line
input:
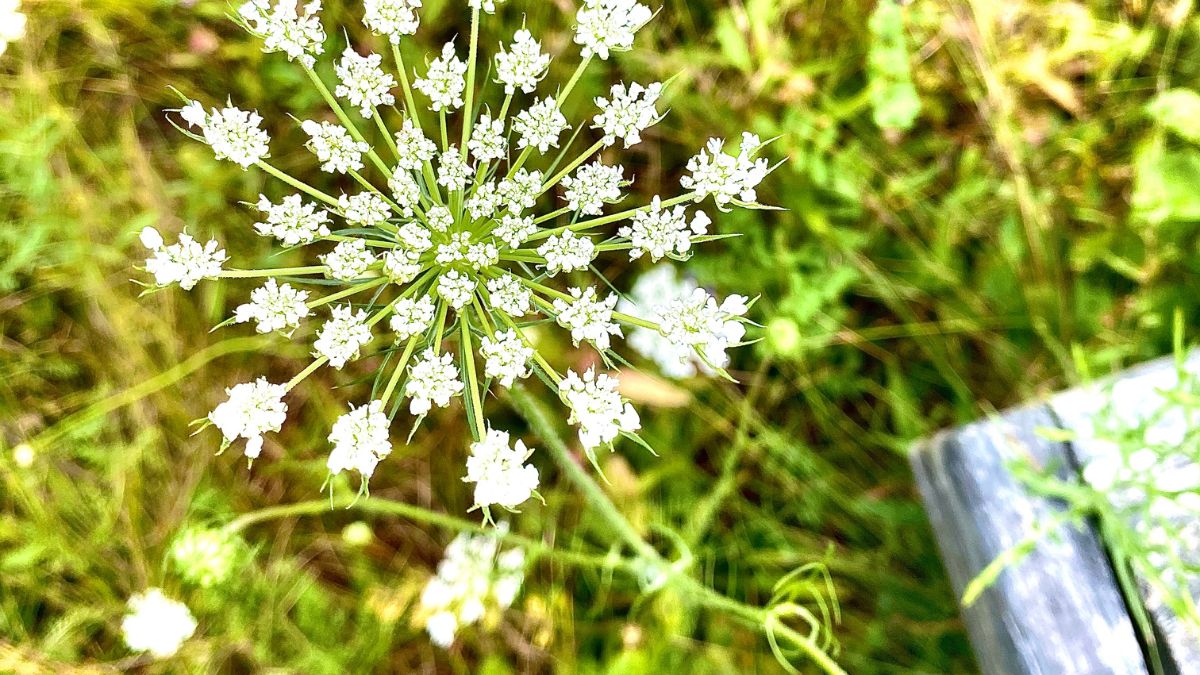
[12,23]
[473,576]
[488,6]
[156,624]
[205,557]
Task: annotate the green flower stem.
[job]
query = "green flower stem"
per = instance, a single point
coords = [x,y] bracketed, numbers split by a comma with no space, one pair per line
[299,185]
[345,120]
[369,242]
[399,372]
[277,272]
[552,215]
[443,307]
[483,316]
[302,375]
[504,108]
[471,379]
[605,220]
[377,506]
[445,134]
[566,92]
[468,110]
[385,132]
[412,115]
[358,288]
[549,184]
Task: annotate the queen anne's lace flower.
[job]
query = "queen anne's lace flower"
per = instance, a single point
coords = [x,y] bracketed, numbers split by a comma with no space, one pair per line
[363,82]
[405,190]
[12,23]
[593,186]
[393,18]
[605,26]
[365,209]
[499,471]
[627,112]
[413,147]
[360,440]
[333,146]
[588,317]
[597,408]
[657,287]
[274,307]
[184,263]
[473,575]
[514,230]
[540,126]
[487,139]
[444,82]
[698,323]
[402,265]
[506,357]
[523,65]
[253,409]
[456,288]
[727,177]
[440,218]
[232,133]
[349,260]
[663,231]
[432,380]
[485,202]
[283,29]
[453,171]
[343,336]
[521,191]
[567,252]
[292,221]
[411,318]
[156,624]
[509,295]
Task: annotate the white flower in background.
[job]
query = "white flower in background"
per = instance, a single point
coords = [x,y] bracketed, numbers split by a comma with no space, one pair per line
[156,624]
[456,288]
[473,576]
[597,408]
[485,202]
[393,18]
[349,260]
[333,146]
[593,186]
[292,221]
[283,29]
[588,317]
[440,218]
[567,252]
[523,65]
[605,26]
[413,147]
[499,471]
[405,190]
[232,133]
[657,286]
[432,380]
[510,296]
[411,318]
[274,307]
[627,112]
[341,338]
[12,23]
[184,263]
[365,209]
[363,82]
[205,557]
[453,171]
[252,409]
[727,177]
[514,230]
[444,83]
[506,357]
[360,440]
[698,323]
[663,231]
[521,191]
[540,126]
[488,6]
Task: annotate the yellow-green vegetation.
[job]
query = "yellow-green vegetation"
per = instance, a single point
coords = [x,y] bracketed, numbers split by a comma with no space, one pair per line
[983,200]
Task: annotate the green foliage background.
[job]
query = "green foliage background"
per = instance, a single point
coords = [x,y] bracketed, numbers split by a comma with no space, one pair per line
[984,202]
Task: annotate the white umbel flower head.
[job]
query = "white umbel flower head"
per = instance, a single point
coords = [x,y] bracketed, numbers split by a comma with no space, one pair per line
[341,338]
[657,287]
[509,295]
[439,218]
[487,139]
[232,133]
[588,317]
[567,252]
[363,82]
[365,209]
[521,191]
[361,438]
[597,408]
[488,6]
[156,624]
[184,263]
[433,379]
[506,357]
[485,202]
[593,186]
[284,29]
[444,83]
[663,231]
[627,112]
[411,318]
[349,260]
[12,23]
[333,146]
[523,65]
[402,265]
[456,288]
[292,221]
[540,126]
[252,409]
[606,26]
[499,471]
[393,18]
[727,177]
[413,147]
[473,575]
[698,323]
[514,230]
[405,191]
[205,557]
[453,171]
[273,307]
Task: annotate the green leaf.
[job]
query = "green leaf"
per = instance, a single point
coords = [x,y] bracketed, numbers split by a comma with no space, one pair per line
[1177,110]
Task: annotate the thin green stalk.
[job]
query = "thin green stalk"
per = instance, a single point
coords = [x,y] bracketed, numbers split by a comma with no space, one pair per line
[470,377]
[388,137]
[358,288]
[606,220]
[549,184]
[302,375]
[399,372]
[345,120]
[299,185]
[469,109]
[277,272]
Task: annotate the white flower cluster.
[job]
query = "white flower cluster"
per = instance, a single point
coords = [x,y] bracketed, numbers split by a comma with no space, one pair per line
[232,133]
[597,408]
[540,125]
[341,338]
[474,575]
[360,440]
[284,29]
[365,209]
[506,357]
[656,287]
[663,231]
[726,177]
[593,186]
[253,409]
[433,380]
[444,83]
[333,146]
[156,624]
[363,82]
[349,260]
[523,66]
[292,221]
[393,18]
[184,263]
[698,324]
[499,472]
[626,113]
[274,307]
[606,26]
[588,317]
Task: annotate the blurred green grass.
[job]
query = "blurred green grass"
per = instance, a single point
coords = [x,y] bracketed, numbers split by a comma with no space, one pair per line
[1018,220]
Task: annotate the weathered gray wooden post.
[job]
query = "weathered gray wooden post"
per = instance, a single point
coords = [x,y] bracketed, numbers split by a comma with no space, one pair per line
[1060,610]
